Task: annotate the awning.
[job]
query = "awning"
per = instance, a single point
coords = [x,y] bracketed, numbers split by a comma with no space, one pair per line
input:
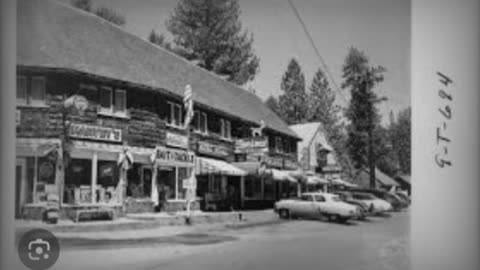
[212,166]
[29,147]
[314,180]
[338,181]
[84,150]
[283,176]
[251,167]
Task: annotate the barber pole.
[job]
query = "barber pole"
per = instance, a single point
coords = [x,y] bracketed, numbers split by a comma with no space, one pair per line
[188,104]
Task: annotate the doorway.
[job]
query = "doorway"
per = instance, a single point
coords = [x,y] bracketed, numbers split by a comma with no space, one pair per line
[20,186]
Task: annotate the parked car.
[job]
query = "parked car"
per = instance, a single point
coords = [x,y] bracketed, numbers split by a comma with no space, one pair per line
[348,198]
[315,205]
[396,203]
[404,196]
[376,205]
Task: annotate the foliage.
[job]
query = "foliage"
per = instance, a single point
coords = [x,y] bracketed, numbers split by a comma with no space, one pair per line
[159,40]
[293,100]
[272,103]
[401,139]
[110,15]
[360,78]
[209,33]
[83,5]
[103,12]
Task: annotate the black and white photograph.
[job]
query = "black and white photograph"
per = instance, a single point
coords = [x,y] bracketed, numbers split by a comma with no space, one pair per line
[226,134]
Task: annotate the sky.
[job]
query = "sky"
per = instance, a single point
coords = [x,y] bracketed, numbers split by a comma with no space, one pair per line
[380,28]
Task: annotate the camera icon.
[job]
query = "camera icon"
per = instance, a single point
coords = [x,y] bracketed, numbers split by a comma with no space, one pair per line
[38,249]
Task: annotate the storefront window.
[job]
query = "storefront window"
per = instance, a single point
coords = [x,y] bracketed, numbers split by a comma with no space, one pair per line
[182,174]
[253,187]
[166,182]
[78,182]
[107,180]
[269,188]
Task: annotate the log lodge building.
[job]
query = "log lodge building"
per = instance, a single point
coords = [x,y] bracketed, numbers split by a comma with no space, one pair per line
[135,92]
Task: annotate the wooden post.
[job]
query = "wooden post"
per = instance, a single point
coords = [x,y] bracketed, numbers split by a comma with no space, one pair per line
[242,191]
[94,177]
[35,177]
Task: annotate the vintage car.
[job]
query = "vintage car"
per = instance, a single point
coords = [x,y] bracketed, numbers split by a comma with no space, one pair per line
[404,196]
[348,198]
[376,205]
[396,203]
[316,205]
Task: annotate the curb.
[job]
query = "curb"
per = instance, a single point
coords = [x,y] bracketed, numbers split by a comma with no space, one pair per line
[141,223]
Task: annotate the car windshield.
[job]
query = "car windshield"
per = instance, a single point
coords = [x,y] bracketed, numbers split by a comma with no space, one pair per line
[336,199]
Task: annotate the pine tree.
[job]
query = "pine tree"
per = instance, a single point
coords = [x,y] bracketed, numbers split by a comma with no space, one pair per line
[110,15]
[85,5]
[159,40]
[360,78]
[293,100]
[209,33]
[272,103]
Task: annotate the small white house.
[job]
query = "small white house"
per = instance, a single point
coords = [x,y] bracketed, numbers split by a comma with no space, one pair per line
[315,155]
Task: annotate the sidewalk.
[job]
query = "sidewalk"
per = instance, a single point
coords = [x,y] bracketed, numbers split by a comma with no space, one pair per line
[148,224]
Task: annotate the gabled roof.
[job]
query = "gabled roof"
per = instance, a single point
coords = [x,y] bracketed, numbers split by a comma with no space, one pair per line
[51,34]
[307,131]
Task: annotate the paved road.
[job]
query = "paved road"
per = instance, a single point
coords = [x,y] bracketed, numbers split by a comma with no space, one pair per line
[380,243]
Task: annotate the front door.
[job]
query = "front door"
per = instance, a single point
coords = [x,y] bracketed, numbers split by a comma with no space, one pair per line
[20,186]
[147,181]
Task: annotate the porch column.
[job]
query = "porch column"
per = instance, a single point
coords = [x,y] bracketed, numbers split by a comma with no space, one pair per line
[35,177]
[154,189]
[94,177]
[60,175]
[242,191]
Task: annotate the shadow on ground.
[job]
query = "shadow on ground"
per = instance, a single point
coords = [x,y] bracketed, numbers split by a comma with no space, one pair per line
[184,239]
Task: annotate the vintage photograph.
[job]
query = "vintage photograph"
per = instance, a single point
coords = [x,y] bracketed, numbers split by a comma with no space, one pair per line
[213,134]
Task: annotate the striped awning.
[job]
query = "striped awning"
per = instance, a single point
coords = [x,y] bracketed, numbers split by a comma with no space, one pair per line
[280,175]
[205,166]
[340,182]
[314,180]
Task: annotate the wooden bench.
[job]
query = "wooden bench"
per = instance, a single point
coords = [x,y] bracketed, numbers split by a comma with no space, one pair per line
[94,215]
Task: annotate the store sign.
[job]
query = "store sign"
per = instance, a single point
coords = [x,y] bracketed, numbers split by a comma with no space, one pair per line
[251,145]
[177,140]
[275,162]
[212,149]
[290,164]
[97,133]
[167,156]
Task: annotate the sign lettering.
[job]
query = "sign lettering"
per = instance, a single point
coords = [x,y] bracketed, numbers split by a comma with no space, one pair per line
[168,156]
[82,131]
[211,149]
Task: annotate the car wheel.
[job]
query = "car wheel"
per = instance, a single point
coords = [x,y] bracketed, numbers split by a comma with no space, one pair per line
[284,214]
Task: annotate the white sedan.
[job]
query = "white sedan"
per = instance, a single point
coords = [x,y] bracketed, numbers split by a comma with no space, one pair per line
[375,204]
[315,205]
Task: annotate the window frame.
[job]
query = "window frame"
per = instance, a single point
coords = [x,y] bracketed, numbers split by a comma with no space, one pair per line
[105,110]
[23,101]
[225,128]
[198,122]
[171,120]
[124,105]
[38,102]
[278,144]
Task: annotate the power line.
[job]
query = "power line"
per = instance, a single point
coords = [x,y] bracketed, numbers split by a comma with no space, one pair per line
[309,36]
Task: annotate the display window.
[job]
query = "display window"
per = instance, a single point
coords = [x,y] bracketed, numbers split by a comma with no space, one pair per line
[78,182]
[107,181]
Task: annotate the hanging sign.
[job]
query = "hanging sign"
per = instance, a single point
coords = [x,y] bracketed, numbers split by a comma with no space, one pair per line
[212,149]
[274,162]
[290,164]
[172,157]
[98,133]
[177,140]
